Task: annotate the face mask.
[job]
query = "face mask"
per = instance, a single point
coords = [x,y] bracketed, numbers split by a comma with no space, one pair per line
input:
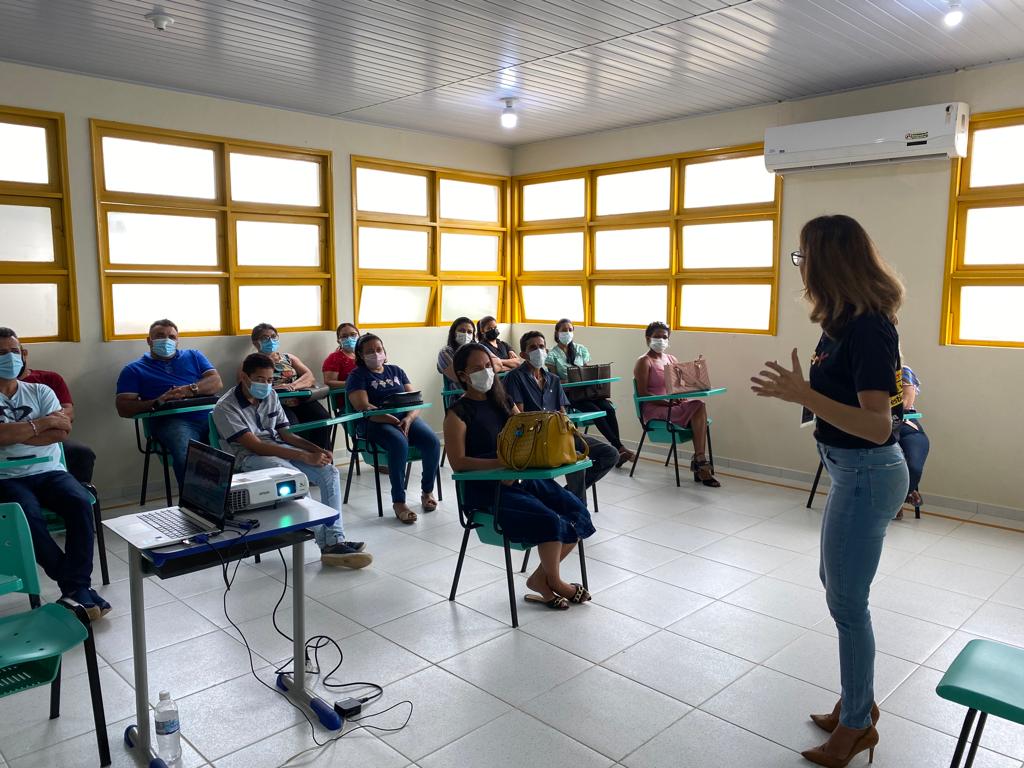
[482,380]
[492,334]
[269,346]
[565,337]
[11,365]
[164,347]
[259,389]
[658,345]
[463,338]
[537,357]
[374,360]
[348,343]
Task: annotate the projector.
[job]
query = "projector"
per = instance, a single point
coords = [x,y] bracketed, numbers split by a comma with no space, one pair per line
[265,488]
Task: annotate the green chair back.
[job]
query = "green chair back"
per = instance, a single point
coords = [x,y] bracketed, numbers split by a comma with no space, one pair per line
[659,430]
[214,435]
[487,524]
[17,557]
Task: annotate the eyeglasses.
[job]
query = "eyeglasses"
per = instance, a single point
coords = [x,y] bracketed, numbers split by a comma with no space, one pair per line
[797,257]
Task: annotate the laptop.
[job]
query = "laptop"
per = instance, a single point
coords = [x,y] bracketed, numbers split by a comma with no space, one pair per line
[201,509]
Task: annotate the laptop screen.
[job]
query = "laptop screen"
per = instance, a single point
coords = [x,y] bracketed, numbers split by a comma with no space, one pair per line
[207,482]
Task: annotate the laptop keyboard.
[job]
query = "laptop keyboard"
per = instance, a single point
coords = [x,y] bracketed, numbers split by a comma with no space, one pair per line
[171,523]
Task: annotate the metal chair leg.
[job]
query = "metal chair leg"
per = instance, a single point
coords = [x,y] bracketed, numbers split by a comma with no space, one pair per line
[166,461]
[55,693]
[511,584]
[526,560]
[96,694]
[458,565]
[962,742]
[814,485]
[97,516]
[675,457]
[376,480]
[348,480]
[636,456]
[145,472]
[977,740]
[593,490]
[583,564]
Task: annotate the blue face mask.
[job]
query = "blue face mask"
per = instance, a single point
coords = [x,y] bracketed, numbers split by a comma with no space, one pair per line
[260,389]
[164,347]
[269,346]
[348,343]
[11,365]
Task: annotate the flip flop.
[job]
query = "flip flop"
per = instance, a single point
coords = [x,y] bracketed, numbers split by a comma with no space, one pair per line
[429,504]
[557,603]
[581,596]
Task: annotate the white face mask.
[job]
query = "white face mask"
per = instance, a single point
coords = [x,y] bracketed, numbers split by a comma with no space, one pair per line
[565,337]
[463,338]
[374,360]
[658,345]
[482,380]
[537,357]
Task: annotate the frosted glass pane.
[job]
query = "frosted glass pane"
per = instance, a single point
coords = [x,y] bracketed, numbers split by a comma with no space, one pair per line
[992,313]
[278,243]
[194,307]
[997,157]
[280,180]
[468,300]
[151,168]
[30,308]
[630,304]
[381,248]
[284,306]
[995,235]
[390,192]
[26,233]
[469,201]
[728,182]
[469,253]
[23,154]
[632,248]
[634,191]
[553,302]
[747,307]
[393,304]
[143,238]
[560,251]
[721,246]
[553,200]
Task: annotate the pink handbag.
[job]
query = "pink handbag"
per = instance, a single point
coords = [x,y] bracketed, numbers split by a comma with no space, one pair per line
[690,376]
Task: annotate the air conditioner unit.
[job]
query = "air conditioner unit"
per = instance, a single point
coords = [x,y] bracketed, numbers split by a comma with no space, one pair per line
[919,133]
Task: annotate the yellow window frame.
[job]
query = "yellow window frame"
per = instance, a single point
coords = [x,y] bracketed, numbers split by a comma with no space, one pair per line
[522,317]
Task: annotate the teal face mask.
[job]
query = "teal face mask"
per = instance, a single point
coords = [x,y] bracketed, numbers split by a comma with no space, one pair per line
[11,365]
[164,347]
[269,346]
[260,389]
[348,343]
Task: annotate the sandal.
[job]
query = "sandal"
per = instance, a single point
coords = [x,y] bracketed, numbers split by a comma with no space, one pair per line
[704,472]
[557,603]
[581,596]
[625,455]
[407,516]
[428,502]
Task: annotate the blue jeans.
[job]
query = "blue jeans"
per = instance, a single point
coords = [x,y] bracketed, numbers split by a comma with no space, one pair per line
[60,493]
[394,443]
[915,445]
[326,479]
[174,432]
[868,486]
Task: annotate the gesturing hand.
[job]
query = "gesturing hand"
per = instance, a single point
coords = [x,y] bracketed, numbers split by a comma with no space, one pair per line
[782,384]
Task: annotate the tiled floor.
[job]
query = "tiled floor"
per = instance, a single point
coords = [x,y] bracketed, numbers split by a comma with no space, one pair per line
[706,644]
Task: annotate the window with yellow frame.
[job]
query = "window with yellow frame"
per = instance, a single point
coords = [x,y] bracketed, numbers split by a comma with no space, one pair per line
[37,263]
[690,237]
[984,286]
[216,234]
[429,244]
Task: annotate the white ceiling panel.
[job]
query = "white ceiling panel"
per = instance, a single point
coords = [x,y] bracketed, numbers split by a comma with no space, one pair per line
[573,66]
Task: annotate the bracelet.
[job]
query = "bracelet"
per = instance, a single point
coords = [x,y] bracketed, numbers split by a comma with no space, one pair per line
[35,431]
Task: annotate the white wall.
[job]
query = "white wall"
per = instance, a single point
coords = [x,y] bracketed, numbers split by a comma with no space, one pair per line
[969,395]
[91,367]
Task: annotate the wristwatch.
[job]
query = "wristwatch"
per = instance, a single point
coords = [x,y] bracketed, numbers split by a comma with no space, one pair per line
[194,386]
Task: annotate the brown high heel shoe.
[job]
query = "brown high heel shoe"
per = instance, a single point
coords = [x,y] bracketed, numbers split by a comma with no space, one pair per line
[865,739]
[829,722]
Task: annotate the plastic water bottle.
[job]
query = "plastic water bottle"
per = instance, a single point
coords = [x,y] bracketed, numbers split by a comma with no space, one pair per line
[168,733]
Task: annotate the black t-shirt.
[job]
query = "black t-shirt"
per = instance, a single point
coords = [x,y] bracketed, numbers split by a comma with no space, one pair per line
[865,357]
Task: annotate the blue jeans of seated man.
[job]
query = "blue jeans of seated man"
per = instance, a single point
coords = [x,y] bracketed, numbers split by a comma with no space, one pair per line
[325,478]
[174,432]
[868,486]
[393,441]
[60,493]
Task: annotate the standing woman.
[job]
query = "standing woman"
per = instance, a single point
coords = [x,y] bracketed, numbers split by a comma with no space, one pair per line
[855,391]
[487,334]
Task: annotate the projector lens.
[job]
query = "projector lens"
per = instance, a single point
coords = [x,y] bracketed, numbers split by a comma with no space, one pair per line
[286,489]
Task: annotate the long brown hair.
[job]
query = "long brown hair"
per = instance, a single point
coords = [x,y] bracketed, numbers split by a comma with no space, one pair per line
[844,277]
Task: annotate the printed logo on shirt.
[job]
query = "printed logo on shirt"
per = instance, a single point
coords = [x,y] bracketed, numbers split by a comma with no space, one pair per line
[10,413]
[392,382]
[817,359]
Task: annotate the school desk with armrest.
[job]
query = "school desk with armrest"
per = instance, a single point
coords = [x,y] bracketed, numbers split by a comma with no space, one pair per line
[148,445]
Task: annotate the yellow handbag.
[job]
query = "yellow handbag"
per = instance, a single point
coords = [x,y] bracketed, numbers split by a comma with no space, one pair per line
[539,439]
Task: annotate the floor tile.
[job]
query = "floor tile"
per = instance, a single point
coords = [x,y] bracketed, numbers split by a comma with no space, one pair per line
[679,536]
[165,625]
[600,575]
[492,600]
[782,600]
[588,630]
[632,554]
[749,555]
[246,600]
[368,656]
[965,579]
[922,601]
[737,631]
[803,570]
[1011,593]
[989,534]
[191,584]
[620,520]
[1007,561]
[718,519]
[703,576]
[650,600]
[117,595]
[437,576]
[902,636]
[442,630]
[356,747]
[381,600]
[910,539]
[664,501]
[407,554]
[905,743]
[999,622]
[783,534]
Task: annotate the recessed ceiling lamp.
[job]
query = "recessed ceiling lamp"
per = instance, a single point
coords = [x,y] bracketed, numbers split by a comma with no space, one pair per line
[509,118]
[954,15]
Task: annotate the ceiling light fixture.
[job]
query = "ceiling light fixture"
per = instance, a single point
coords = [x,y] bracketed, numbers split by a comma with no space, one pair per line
[509,118]
[160,20]
[954,16]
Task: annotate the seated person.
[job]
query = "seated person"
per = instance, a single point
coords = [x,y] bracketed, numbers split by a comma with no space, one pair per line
[533,387]
[79,457]
[369,387]
[342,361]
[535,512]
[291,374]
[487,334]
[912,438]
[568,352]
[253,426]
[460,332]
[32,423]
[649,373]
[168,374]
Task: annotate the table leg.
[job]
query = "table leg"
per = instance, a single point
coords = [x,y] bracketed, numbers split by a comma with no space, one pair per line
[136,736]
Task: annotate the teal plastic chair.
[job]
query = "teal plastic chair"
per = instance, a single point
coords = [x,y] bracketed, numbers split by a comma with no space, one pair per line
[33,642]
[666,433]
[985,677]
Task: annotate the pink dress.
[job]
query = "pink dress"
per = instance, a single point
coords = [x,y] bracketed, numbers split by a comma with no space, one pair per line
[681,410]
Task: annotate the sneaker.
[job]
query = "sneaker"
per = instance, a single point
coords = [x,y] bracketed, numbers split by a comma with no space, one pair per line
[343,556]
[84,599]
[358,546]
[102,604]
